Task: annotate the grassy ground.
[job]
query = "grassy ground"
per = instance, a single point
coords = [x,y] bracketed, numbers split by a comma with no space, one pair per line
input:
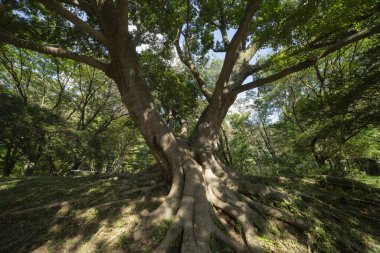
[94,214]
[373,181]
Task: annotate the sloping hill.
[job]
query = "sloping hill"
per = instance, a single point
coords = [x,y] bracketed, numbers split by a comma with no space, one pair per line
[100,214]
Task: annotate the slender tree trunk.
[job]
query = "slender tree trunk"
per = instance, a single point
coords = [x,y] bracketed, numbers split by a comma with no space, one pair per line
[99,166]
[52,168]
[29,167]
[77,163]
[202,187]
[9,161]
[319,159]
[8,167]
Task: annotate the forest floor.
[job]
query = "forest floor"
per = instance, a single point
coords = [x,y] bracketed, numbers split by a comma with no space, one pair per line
[100,214]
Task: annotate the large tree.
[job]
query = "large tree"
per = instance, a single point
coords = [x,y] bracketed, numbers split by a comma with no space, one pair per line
[99,33]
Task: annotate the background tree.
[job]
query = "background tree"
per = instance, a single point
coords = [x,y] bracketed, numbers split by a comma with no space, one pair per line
[85,101]
[318,112]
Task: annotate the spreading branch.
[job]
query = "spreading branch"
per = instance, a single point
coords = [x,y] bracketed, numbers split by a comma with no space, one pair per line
[317,43]
[54,51]
[57,8]
[233,46]
[306,63]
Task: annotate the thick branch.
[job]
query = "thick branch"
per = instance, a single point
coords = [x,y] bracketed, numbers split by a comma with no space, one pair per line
[57,8]
[223,26]
[242,69]
[229,60]
[123,8]
[54,51]
[138,23]
[306,63]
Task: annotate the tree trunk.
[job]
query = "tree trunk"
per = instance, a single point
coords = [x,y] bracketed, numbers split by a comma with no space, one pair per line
[9,161]
[99,166]
[77,163]
[8,167]
[200,182]
[52,168]
[29,167]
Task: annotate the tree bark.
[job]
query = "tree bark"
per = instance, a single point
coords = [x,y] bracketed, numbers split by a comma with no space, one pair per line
[29,167]
[199,184]
[9,161]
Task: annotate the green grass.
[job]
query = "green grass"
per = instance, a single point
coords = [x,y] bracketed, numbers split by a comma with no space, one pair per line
[373,181]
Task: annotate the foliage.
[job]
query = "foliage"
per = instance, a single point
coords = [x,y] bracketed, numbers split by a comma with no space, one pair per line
[55,111]
[326,116]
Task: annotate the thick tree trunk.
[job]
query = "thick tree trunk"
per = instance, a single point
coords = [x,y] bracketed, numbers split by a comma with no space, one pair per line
[207,200]
[196,190]
[200,183]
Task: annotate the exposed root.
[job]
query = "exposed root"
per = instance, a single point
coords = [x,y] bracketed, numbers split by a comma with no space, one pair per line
[346,183]
[167,210]
[240,215]
[170,206]
[173,233]
[280,215]
[234,244]
[39,208]
[238,182]
[208,203]
[229,233]
[63,204]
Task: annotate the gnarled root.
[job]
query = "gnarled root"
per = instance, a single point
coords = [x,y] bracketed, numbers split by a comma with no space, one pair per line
[203,207]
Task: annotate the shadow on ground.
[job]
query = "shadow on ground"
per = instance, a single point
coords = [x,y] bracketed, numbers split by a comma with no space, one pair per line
[97,215]
[344,215]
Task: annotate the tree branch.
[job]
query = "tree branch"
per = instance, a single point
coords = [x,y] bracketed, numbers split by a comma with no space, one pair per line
[233,46]
[54,51]
[313,45]
[306,63]
[87,7]
[223,26]
[57,8]
[138,23]
[123,19]
[192,67]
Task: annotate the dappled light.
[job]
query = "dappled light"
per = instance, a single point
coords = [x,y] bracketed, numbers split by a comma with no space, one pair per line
[83,225]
